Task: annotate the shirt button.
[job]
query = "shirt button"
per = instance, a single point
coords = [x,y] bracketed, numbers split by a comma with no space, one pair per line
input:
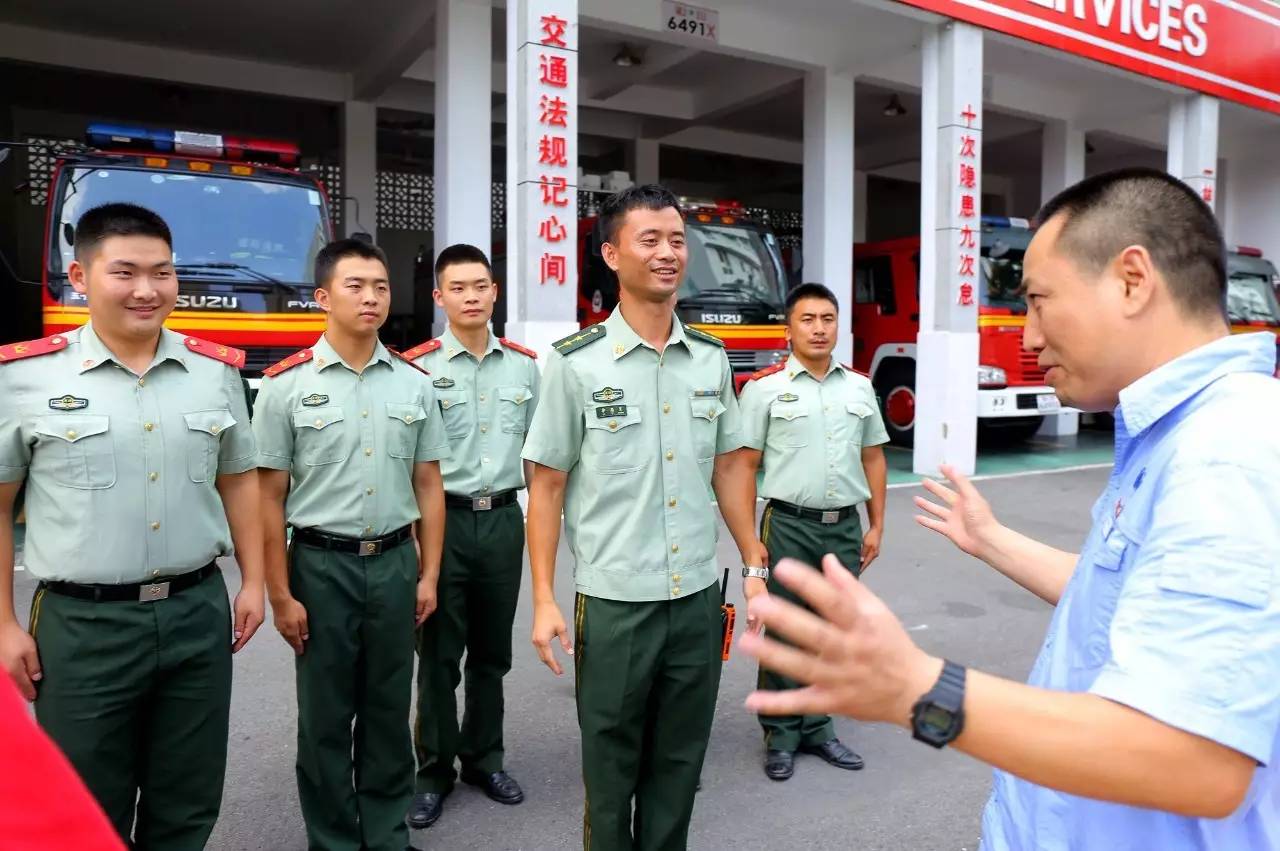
[675,548]
[368,452]
[666,408]
[481,397]
[364,413]
[675,592]
[71,435]
[319,423]
[484,460]
[675,577]
[155,573]
[613,425]
[828,437]
[215,429]
[408,419]
[142,382]
[672,502]
[670,455]
[368,529]
[484,429]
[155,527]
[369,491]
[153,476]
[148,426]
[484,489]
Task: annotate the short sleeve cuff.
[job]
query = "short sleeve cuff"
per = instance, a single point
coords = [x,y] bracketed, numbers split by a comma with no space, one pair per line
[235,466]
[1251,737]
[751,441]
[433,453]
[12,474]
[274,462]
[731,441]
[554,458]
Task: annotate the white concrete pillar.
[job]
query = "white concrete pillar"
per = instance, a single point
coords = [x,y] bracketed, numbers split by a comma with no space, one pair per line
[359,168]
[828,191]
[648,155]
[1251,215]
[463,135]
[542,170]
[1061,158]
[859,206]
[950,238]
[1193,144]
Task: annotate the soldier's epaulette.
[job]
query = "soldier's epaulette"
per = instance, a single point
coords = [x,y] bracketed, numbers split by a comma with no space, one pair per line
[576,341]
[421,349]
[33,348]
[768,370]
[288,363]
[703,336]
[227,354]
[408,357]
[860,372]
[516,347]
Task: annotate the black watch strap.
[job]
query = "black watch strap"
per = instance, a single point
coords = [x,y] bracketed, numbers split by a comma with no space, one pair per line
[938,717]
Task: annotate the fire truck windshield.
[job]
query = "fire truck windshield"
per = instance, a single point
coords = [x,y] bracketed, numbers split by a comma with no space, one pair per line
[1250,298]
[223,226]
[735,264]
[1002,252]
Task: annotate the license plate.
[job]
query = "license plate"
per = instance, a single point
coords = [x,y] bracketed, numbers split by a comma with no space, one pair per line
[1047,402]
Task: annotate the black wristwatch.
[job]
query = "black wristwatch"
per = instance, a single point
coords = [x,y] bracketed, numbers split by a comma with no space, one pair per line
[938,717]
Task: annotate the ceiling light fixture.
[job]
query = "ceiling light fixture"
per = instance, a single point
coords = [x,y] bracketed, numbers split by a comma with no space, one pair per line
[626,57]
[894,108]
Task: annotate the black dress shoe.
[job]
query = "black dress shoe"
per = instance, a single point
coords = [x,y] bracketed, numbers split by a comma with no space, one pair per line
[425,810]
[499,786]
[835,753]
[779,765]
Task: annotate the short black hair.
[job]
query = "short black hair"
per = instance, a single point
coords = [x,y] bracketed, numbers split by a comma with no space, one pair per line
[810,291]
[461,253]
[1106,213]
[117,219]
[328,257]
[614,210]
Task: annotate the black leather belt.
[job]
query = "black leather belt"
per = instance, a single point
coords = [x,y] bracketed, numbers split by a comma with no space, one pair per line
[136,592]
[358,546]
[480,503]
[827,516]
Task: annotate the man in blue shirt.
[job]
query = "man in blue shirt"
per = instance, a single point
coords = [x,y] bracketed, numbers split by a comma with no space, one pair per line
[1152,714]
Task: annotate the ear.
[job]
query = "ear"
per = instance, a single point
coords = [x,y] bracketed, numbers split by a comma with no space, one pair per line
[1139,278]
[438,297]
[322,299]
[77,275]
[610,255]
[493,292]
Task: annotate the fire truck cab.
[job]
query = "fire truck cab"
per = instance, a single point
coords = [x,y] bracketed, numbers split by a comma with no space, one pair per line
[1012,396]
[246,229]
[734,285]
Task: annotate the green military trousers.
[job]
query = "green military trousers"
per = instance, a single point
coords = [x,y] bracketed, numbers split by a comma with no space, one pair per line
[647,677]
[138,696]
[477,593]
[788,536]
[355,677]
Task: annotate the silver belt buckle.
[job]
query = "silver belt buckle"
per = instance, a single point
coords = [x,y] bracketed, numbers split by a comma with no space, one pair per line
[481,503]
[830,517]
[154,591]
[370,548]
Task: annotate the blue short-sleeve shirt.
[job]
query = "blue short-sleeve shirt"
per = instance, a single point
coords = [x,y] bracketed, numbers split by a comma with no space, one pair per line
[1173,608]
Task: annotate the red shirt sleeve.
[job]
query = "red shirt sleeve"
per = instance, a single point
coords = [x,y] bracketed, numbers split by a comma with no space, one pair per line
[43,803]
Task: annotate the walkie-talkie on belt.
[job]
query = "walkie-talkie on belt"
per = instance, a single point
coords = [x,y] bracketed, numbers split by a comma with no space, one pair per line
[726,618]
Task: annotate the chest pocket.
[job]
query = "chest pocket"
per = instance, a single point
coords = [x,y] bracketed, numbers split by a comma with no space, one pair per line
[320,436]
[789,424]
[705,413]
[403,428]
[513,409]
[614,441]
[80,449]
[856,420]
[1105,581]
[457,414]
[204,441]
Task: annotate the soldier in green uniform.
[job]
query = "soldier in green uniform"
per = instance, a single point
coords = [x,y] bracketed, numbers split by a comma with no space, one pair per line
[488,387]
[816,428]
[139,461]
[636,427]
[350,439]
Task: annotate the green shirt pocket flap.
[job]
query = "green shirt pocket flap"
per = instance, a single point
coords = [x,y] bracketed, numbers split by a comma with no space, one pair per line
[317,418]
[707,409]
[213,422]
[407,414]
[787,412]
[519,395]
[72,428]
[613,418]
[859,409]
[451,400]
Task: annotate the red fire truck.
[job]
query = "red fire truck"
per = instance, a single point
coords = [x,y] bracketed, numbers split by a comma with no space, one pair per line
[1012,395]
[734,286]
[246,227]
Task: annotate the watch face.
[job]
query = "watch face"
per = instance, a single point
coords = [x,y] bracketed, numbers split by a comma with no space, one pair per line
[935,719]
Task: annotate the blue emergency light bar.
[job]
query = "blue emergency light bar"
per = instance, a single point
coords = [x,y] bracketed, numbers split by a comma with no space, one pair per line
[1006,222]
[117,135]
[101,135]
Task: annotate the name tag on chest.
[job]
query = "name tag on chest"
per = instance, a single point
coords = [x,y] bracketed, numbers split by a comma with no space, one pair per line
[606,411]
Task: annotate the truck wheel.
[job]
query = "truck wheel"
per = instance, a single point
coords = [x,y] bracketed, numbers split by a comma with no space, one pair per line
[896,386]
[1007,430]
